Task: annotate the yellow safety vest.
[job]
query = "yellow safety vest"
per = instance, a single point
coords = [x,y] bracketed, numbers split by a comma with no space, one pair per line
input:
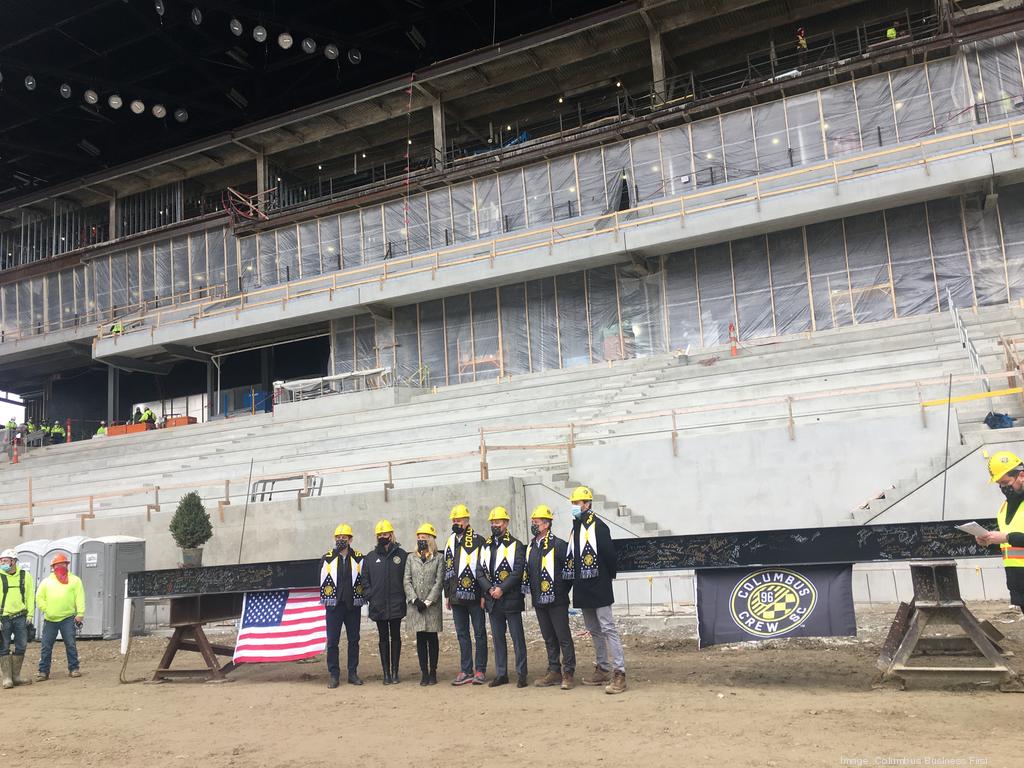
[1013,557]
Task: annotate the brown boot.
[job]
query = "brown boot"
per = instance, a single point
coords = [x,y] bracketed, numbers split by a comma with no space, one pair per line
[618,683]
[549,679]
[567,681]
[600,677]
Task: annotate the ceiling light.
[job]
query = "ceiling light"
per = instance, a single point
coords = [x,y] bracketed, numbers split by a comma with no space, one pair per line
[331,51]
[65,91]
[137,107]
[319,167]
[560,100]
[285,40]
[1,77]
[196,16]
[181,115]
[259,34]
[114,101]
[159,111]
[508,127]
[236,27]
[30,83]
[309,45]
[90,97]
[618,83]
[158,6]
[364,155]
[355,56]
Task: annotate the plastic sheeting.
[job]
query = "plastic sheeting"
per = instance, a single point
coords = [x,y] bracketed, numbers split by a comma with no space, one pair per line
[309,250]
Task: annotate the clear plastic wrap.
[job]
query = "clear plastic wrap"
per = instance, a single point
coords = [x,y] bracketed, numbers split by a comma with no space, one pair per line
[309,249]
[910,253]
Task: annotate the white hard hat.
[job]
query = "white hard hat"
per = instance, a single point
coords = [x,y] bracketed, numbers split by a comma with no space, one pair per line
[9,553]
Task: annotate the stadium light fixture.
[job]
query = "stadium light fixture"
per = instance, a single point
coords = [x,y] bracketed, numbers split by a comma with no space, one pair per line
[331,52]
[65,91]
[355,56]
[259,33]
[91,97]
[196,16]
[309,45]
[137,106]
[285,40]
[114,101]
[181,115]
[30,83]
[159,111]
[236,27]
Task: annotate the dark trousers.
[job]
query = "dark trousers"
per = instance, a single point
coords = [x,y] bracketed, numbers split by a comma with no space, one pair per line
[427,648]
[461,616]
[514,623]
[16,627]
[390,643]
[554,628]
[347,616]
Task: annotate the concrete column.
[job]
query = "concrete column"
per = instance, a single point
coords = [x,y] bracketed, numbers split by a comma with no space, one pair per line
[261,176]
[113,393]
[266,369]
[657,63]
[439,133]
[212,395]
[112,219]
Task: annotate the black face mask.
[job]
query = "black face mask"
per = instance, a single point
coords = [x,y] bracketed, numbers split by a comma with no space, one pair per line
[421,545]
[496,532]
[341,544]
[1011,494]
[535,529]
[456,528]
[382,543]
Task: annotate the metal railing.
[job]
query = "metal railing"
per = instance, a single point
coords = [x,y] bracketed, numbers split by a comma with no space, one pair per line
[752,191]
[353,381]
[966,342]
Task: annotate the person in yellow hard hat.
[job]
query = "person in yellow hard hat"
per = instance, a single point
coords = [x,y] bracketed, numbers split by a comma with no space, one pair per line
[341,592]
[500,574]
[424,582]
[384,572]
[549,592]
[17,606]
[1007,469]
[591,564]
[464,596]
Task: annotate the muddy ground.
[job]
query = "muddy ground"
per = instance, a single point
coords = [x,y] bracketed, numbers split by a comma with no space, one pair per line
[791,703]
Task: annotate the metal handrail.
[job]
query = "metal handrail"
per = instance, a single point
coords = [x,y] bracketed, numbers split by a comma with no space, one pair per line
[966,342]
[756,189]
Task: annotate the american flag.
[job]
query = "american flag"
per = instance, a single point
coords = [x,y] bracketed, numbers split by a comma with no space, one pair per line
[287,625]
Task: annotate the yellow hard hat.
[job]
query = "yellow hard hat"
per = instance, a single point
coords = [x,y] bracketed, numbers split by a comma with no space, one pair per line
[1001,462]
[542,512]
[498,513]
[428,529]
[582,493]
[343,530]
[459,510]
[383,527]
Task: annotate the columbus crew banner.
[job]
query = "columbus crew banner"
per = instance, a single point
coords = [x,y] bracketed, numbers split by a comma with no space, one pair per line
[736,604]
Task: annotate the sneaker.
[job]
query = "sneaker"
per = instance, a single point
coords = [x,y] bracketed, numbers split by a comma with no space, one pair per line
[618,683]
[462,678]
[74,673]
[600,677]
[478,678]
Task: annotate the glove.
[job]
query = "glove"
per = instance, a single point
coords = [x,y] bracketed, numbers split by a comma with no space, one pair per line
[30,630]
[420,605]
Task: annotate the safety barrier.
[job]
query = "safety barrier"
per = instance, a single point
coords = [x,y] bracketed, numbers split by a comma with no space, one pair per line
[755,190]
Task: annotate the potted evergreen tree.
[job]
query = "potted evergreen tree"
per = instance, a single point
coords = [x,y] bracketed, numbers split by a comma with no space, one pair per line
[190,527]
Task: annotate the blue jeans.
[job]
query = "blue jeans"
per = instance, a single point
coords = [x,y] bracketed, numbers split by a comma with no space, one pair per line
[18,627]
[66,627]
[461,615]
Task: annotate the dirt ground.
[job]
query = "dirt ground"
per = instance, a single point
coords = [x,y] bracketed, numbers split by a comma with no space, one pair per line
[791,703]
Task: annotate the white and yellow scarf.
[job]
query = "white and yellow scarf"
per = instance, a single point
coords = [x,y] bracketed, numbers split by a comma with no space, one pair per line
[587,546]
[461,559]
[547,572]
[329,578]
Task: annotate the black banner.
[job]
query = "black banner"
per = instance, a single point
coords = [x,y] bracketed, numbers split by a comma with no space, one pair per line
[737,604]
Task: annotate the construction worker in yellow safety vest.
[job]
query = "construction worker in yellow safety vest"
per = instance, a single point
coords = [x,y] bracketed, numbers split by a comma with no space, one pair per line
[1007,469]
[17,604]
[102,428]
[61,598]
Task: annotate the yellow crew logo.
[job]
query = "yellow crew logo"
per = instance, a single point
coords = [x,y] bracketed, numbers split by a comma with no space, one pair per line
[502,575]
[772,602]
[328,590]
[467,582]
[359,589]
[588,559]
[545,585]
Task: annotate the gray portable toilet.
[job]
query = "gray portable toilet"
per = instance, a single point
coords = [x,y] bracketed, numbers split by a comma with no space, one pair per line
[31,556]
[104,564]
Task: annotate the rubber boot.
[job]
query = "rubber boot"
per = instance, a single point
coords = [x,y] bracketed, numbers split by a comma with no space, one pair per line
[387,671]
[395,654]
[16,662]
[5,671]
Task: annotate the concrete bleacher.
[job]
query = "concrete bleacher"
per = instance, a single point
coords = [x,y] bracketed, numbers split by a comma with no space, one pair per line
[846,373]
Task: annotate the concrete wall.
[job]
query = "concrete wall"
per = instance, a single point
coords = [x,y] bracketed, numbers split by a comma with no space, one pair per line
[759,478]
[280,530]
[351,402]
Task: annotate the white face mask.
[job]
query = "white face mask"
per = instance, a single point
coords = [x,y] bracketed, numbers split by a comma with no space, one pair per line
[578,513]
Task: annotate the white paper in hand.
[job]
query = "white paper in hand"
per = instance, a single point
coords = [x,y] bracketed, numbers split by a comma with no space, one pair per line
[973,529]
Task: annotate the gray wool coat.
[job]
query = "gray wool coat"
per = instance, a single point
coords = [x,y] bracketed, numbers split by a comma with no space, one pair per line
[424,580]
